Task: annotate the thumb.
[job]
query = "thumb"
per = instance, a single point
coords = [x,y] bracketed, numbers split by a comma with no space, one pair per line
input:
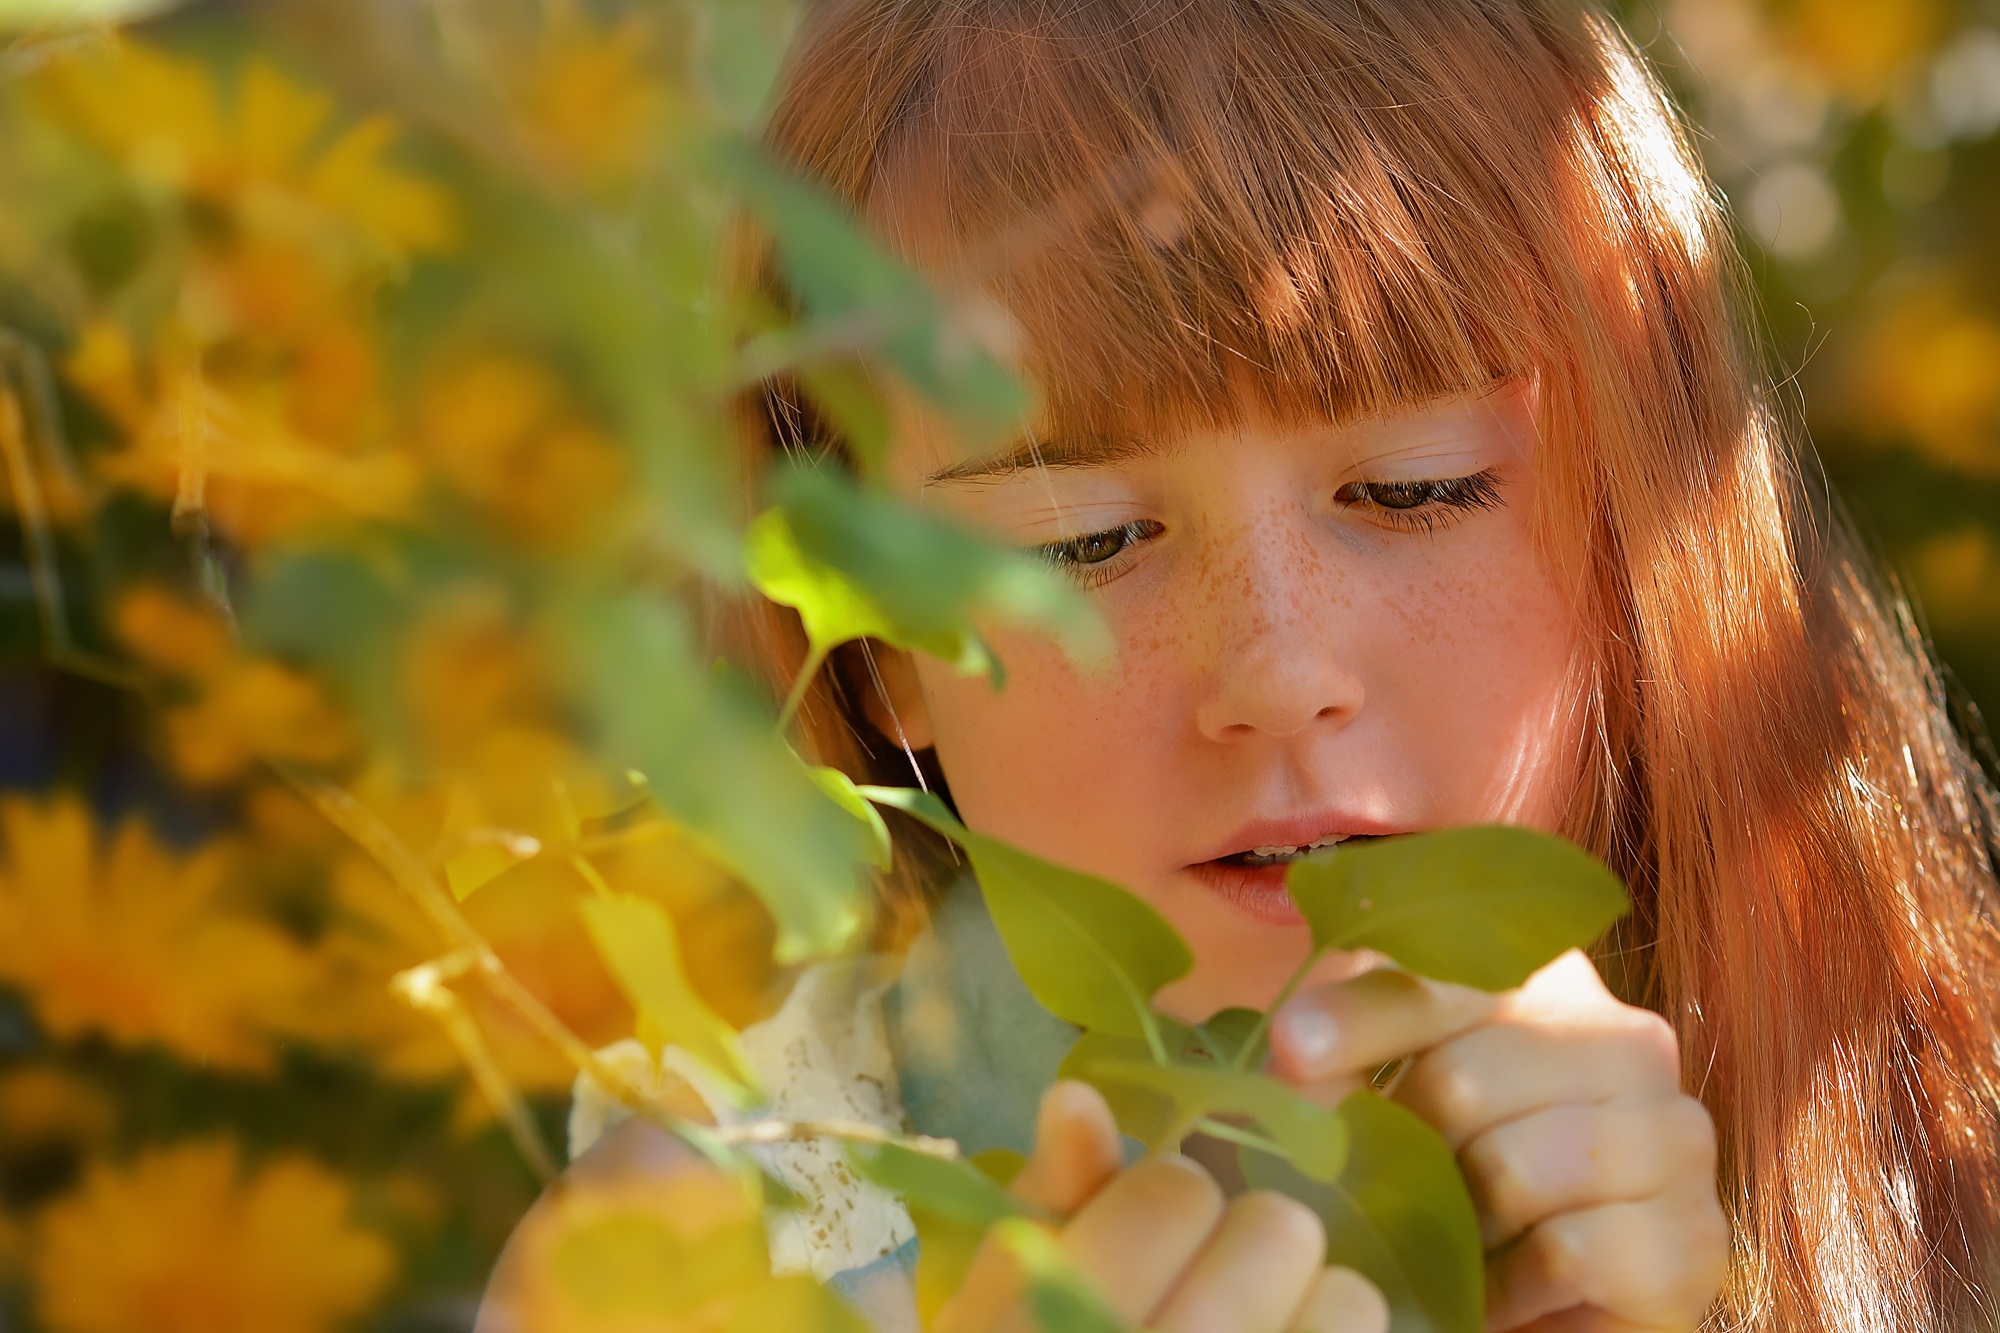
[1077,1150]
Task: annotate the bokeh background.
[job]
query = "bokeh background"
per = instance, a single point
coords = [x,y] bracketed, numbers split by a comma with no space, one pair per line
[201,1126]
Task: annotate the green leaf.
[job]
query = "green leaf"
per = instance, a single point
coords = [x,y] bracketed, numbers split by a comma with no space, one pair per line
[1484,906]
[1142,1113]
[857,298]
[857,563]
[1062,1300]
[1399,1215]
[1225,1031]
[1313,1136]
[1091,952]
[713,762]
[840,789]
[635,937]
[954,1189]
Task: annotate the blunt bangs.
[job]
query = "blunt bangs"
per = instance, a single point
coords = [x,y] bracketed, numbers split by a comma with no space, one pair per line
[1196,210]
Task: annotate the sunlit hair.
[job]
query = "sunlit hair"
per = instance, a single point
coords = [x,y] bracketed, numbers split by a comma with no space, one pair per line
[1325,209]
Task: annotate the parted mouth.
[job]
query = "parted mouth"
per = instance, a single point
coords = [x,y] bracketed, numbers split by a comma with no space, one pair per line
[1284,854]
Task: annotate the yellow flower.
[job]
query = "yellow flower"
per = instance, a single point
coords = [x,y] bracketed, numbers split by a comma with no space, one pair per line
[160,117]
[134,942]
[184,1241]
[589,99]
[43,1107]
[1924,371]
[242,709]
[504,433]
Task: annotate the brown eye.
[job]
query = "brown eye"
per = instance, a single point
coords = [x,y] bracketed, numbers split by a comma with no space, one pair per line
[1422,504]
[1098,547]
[1093,550]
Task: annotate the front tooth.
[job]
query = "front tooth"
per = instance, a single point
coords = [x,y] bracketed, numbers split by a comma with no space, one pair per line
[1265,851]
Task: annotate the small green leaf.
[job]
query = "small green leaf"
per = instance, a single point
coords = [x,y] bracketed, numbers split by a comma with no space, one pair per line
[1311,1134]
[1399,1215]
[1063,1301]
[857,563]
[635,937]
[832,609]
[954,1189]
[1091,952]
[841,790]
[1484,906]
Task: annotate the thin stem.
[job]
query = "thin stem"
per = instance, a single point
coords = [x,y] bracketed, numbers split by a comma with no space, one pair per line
[1219,1129]
[756,1133]
[814,661]
[591,876]
[1285,992]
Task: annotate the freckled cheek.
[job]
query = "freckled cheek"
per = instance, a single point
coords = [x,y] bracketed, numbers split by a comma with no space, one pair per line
[1066,762]
[1480,690]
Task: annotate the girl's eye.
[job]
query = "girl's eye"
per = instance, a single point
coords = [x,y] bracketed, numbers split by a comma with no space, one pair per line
[1093,557]
[1421,504]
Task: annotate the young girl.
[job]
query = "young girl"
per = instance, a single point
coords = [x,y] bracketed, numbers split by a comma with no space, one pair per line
[1397,409]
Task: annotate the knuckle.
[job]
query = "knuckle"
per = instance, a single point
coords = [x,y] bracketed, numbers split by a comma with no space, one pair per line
[1692,1130]
[1502,1174]
[1453,1093]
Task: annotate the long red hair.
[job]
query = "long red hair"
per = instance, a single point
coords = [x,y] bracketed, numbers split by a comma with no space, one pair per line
[1339,207]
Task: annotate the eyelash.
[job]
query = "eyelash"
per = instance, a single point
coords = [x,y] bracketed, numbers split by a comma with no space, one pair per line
[1070,555]
[1419,506]
[1413,505]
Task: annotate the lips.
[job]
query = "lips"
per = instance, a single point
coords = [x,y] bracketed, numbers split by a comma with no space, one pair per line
[1248,870]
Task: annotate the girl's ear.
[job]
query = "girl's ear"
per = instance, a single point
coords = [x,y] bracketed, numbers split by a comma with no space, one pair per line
[894,697]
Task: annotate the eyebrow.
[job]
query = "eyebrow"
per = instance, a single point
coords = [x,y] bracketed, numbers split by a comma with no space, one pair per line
[1070,451]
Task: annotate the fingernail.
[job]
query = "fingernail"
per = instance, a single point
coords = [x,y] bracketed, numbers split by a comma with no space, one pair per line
[1310,1038]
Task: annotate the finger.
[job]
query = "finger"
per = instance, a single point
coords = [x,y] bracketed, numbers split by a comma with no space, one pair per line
[1349,1028]
[1077,1149]
[1505,1070]
[1340,1300]
[1252,1273]
[1656,1264]
[1580,1155]
[1133,1240]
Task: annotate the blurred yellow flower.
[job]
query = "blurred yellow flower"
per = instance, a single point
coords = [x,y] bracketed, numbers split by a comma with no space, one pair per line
[1926,370]
[43,1107]
[160,116]
[243,709]
[505,433]
[1865,48]
[589,98]
[131,941]
[1957,577]
[185,1241]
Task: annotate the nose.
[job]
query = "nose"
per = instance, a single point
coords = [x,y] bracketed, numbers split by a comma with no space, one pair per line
[1279,647]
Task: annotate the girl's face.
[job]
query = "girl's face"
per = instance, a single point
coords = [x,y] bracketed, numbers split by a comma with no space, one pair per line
[1323,633]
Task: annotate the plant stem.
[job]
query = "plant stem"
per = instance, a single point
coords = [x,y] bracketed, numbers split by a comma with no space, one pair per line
[814,661]
[1217,1129]
[1285,992]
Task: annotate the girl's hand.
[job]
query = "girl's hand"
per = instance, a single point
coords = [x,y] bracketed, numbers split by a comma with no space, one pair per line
[1161,1245]
[1593,1174]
